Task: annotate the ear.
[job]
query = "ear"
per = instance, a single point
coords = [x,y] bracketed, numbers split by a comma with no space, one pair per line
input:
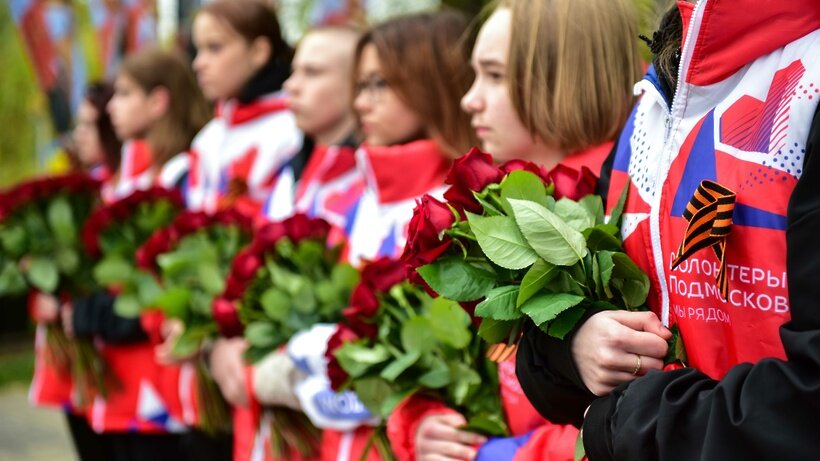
[159,102]
[261,51]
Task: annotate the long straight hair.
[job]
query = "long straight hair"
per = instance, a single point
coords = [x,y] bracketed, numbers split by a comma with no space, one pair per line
[187,112]
[424,58]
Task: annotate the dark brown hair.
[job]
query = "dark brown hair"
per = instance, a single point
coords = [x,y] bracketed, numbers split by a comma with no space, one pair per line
[252,19]
[187,112]
[98,94]
[424,58]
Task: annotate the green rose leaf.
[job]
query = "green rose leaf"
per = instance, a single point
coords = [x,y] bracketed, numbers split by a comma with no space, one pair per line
[565,322]
[630,281]
[523,185]
[211,279]
[400,365]
[61,220]
[127,305]
[43,274]
[605,266]
[437,377]
[535,279]
[618,211]
[551,238]
[603,237]
[450,323]
[500,304]
[456,279]
[12,281]
[13,239]
[374,394]
[545,307]
[574,214]
[276,304]
[502,242]
[174,302]
[488,425]
[260,334]
[148,289]
[594,206]
[417,335]
[67,259]
[112,270]
[495,331]
[356,358]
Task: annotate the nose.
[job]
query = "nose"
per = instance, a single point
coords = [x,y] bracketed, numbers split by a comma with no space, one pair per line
[362,103]
[290,85]
[198,63]
[471,102]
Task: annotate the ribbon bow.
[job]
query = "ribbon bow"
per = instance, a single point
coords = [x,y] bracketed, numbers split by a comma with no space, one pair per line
[709,214]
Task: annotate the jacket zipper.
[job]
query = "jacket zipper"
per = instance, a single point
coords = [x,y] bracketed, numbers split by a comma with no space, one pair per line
[673,117]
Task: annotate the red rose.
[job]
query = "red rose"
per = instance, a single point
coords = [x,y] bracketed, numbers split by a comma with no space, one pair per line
[382,274]
[231,217]
[226,318]
[363,307]
[246,263]
[337,375]
[268,235]
[424,243]
[157,244]
[523,165]
[300,227]
[190,222]
[673,366]
[235,287]
[572,183]
[471,173]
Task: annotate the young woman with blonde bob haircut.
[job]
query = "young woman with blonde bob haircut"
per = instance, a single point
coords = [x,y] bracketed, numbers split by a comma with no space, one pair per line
[553,85]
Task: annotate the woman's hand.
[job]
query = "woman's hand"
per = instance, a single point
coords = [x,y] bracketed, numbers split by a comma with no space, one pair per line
[613,347]
[439,439]
[171,330]
[45,308]
[227,366]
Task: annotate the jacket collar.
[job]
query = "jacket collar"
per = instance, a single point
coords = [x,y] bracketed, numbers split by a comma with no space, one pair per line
[729,34]
[405,171]
[236,113]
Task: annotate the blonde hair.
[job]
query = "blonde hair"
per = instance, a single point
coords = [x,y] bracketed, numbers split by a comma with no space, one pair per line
[572,65]
[187,111]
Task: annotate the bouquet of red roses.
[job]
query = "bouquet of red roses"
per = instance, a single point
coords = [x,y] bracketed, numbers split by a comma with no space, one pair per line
[286,281]
[112,235]
[40,249]
[396,341]
[527,244]
[190,258]
[39,234]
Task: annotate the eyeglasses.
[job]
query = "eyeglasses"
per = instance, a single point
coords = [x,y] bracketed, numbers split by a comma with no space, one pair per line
[373,87]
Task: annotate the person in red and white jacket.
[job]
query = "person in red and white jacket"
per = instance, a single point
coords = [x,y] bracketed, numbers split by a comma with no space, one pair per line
[98,152]
[241,63]
[157,109]
[728,111]
[327,185]
[518,117]
[410,72]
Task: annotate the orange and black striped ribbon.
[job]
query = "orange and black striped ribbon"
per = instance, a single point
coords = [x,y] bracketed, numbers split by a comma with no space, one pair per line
[709,214]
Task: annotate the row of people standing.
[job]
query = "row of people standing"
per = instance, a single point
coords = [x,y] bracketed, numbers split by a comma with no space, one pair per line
[544,89]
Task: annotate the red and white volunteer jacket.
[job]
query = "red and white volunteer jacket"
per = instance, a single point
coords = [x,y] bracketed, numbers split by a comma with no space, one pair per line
[152,398]
[237,158]
[329,187]
[743,125]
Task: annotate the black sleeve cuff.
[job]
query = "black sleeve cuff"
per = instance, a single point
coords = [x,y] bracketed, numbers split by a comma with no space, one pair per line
[597,432]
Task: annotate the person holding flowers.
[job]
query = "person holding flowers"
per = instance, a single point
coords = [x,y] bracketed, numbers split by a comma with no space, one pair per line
[241,62]
[718,161]
[328,186]
[409,73]
[156,110]
[540,108]
[98,152]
